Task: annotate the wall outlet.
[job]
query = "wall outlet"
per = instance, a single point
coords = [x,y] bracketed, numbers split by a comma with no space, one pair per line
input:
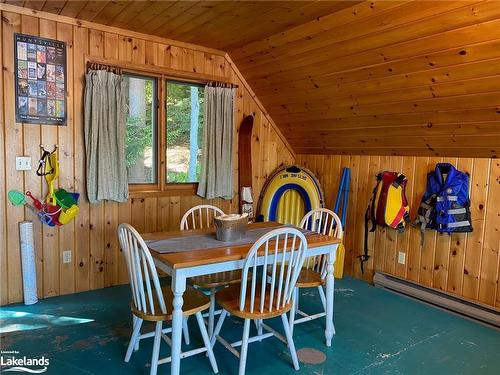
[401,257]
[67,256]
[23,163]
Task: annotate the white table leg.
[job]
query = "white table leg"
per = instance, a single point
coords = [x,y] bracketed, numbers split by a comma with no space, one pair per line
[330,281]
[178,288]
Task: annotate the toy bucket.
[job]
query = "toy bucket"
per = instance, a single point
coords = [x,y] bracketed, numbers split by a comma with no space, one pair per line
[67,215]
[52,213]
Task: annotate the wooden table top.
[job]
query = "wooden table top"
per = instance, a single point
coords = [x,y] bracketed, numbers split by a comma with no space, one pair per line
[224,252]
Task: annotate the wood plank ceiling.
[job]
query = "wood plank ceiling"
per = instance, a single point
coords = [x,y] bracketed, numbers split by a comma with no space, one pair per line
[218,24]
[373,77]
[385,78]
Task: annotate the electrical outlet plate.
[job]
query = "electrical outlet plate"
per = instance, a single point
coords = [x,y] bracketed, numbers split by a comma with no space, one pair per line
[401,257]
[67,256]
[23,163]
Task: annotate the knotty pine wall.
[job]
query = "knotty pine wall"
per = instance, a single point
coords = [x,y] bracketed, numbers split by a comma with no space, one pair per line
[466,265]
[96,260]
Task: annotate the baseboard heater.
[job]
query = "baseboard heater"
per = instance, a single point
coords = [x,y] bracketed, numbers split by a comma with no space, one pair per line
[438,298]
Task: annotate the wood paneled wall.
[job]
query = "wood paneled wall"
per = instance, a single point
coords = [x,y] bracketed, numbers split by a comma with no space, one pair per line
[96,260]
[385,78]
[466,265]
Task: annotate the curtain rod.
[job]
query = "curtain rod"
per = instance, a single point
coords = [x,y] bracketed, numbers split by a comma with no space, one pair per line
[222,84]
[118,70]
[108,68]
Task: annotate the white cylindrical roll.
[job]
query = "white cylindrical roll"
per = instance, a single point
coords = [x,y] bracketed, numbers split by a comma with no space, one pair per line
[28,262]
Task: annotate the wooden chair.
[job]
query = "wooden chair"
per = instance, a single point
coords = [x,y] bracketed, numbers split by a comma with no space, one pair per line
[261,295]
[324,221]
[151,302]
[200,217]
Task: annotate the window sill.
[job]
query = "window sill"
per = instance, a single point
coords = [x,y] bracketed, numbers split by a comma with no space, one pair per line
[169,190]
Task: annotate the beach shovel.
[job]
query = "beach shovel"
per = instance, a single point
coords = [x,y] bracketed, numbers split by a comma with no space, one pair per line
[51,174]
[19,199]
[36,202]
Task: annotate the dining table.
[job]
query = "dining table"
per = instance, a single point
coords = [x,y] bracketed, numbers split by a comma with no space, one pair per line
[188,253]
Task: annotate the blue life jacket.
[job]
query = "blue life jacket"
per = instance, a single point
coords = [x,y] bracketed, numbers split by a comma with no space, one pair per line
[445,204]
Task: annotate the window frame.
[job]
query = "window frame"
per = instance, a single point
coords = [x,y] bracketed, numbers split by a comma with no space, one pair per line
[155,117]
[161,187]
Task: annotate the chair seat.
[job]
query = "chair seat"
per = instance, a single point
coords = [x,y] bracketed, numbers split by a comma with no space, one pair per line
[194,301]
[216,280]
[229,299]
[309,278]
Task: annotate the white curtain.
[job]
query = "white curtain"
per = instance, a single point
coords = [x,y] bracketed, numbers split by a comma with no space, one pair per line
[105,124]
[216,176]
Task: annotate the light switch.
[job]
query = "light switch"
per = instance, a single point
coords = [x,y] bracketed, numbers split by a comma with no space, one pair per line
[23,163]
[401,257]
[67,256]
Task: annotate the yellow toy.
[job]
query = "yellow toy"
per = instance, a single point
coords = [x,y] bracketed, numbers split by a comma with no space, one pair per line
[51,174]
[59,205]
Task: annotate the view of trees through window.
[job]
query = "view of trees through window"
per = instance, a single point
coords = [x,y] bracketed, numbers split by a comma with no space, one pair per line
[140,147]
[184,130]
[185,109]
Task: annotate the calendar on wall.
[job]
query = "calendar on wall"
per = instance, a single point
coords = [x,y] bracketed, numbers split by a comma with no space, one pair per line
[40,69]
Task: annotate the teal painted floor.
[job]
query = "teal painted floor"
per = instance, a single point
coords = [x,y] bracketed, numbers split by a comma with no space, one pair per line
[377,333]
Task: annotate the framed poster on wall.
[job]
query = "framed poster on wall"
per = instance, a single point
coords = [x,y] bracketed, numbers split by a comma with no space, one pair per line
[40,70]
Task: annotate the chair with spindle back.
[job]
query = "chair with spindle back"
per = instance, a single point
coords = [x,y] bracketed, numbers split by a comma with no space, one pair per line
[151,302]
[266,290]
[201,217]
[326,222]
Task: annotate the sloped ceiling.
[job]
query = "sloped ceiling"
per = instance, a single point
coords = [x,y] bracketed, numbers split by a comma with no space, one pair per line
[375,77]
[218,24]
[402,78]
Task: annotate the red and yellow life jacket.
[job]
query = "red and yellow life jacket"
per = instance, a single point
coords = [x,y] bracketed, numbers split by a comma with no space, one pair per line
[388,206]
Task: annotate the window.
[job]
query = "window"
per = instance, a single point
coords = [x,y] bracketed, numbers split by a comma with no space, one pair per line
[184,122]
[140,139]
[161,155]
